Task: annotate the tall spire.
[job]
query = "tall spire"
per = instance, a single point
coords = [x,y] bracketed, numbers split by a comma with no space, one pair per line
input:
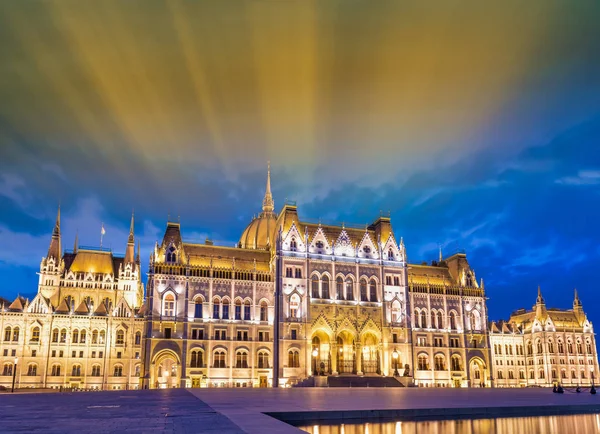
[540,306]
[268,204]
[129,253]
[540,299]
[76,243]
[137,256]
[54,251]
[576,301]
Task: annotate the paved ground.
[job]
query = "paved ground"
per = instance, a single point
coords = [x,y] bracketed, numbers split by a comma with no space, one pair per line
[227,411]
[144,411]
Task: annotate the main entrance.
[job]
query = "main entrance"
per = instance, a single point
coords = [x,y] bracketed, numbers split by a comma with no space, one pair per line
[166,370]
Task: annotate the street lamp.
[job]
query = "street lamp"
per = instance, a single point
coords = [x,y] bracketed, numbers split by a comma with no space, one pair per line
[395,357]
[315,353]
[14,374]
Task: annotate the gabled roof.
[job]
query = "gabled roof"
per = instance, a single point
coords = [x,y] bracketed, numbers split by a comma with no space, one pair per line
[101,310]
[63,307]
[18,304]
[82,309]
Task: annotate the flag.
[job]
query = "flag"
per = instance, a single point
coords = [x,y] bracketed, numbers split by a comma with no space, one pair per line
[102,231]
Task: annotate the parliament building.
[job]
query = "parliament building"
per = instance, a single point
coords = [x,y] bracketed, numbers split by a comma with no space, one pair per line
[294,303]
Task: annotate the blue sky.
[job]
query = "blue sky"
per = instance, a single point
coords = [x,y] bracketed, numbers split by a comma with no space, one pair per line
[475,128]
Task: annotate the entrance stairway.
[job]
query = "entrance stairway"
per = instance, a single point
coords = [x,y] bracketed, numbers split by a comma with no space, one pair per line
[367,381]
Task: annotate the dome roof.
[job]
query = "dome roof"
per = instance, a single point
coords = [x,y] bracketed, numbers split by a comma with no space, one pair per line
[260,233]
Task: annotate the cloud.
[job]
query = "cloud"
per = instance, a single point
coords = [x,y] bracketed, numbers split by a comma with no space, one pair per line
[583,177]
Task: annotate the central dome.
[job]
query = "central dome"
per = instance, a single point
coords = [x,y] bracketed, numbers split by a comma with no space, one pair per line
[260,233]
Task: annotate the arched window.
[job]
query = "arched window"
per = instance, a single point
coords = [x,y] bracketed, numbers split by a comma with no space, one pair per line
[247,310]
[579,346]
[7,334]
[264,311]
[423,319]
[137,370]
[294,306]
[363,290]
[521,374]
[573,374]
[138,338]
[440,320]
[32,370]
[293,359]
[16,334]
[169,305]
[440,364]
[216,308]
[55,335]
[102,337]
[390,255]
[63,336]
[554,374]
[314,283]
[588,347]
[339,283]
[373,290]
[96,371]
[511,374]
[293,245]
[263,360]
[76,371]
[219,359]
[241,359]
[452,320]
[8,369]
[118,371]
[529,348]
[35,334]
[325,287]
[225,309]
[541,374]
[423,363]
[500,375]
[55,370]
[531,375]
[196,359]
[120,339]
[349,289]
[198,309]
[82,336]
[95,337]
[550,347]
[238,309]
[539,346]
[456,365]
[570,347]
[171,255]
[433,325]
[75,337]
[396,312]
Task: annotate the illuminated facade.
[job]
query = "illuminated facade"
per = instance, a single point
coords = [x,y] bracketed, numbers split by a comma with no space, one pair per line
[542,347]
[83,329]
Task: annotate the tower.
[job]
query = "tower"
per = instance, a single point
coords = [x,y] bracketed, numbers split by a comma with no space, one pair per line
[52,265]
[578,309]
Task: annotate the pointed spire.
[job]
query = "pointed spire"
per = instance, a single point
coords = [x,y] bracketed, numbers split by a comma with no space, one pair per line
[540,299]
[576,301]
[268,204]
[130,240]
[137,256]
[440,255]
[54,251]
[76,243]
[129,253]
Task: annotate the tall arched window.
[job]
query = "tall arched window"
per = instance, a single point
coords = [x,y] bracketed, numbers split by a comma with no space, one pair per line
[216,308]
[7,334]
[247,310]
[453,320]
[440,364]
[263,360]
[396,312]
[76,371]
[198,309]
[529,348]
[293,359]
[35,334]
[325,287]
[171,255]
[95,337]
[225,309]
[423,364]
[82,336]
[55,335]
[363,290]
[55,370]
[75,337]
[423,319]
[138,338]
[570,347]
[314,282]
[8,369]
[196,359]
[390,255]
[373,290]
[238,309]
[264,311]
[432,319]
[440,320]
[63,336]
[118,371]
[16,334]
[96,371]
[349,289]
[32,370]
[120,340]
[293,245]
[241,359]
[539,346]
[102,337]
[294,306]
[169,305]
[456,364]
[339,283]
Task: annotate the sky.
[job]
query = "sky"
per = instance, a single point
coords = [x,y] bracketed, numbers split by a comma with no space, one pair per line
[476,125]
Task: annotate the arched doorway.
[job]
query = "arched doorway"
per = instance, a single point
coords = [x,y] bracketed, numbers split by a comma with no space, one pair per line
[370,354]
[320,354]
[346,354]
[166,370]
[477,372]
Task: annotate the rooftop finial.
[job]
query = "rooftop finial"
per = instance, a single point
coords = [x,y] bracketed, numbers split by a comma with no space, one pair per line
[54,250]
[130,240]
[540,299]
[268,204]
[577,301]
[440,255]
[76,244]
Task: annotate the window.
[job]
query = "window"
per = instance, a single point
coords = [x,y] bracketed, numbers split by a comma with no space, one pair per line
[396,312]
[96,371]
[247,310]
[33,353]
[16,334]
[171,255]
[422,341]
[294,305]
[293,359]
[423,319]
[339,282]
[241,359]
[455,364]
[219,359]
[264,311]
[541,374]
[7,334]
[196,359]
[63,336]
[198,309]
[225,309]
[118,372]
[298,273]
[216,308]
[422,363]
[75,337]
[82,336]
[452,320]
[294,334]
[529,348]
[55,335]
[390,255]
[167,332]
[475,320]
[95,337]
[373,290]
[8,369]
[32,370]
[319,245]
[500,375]
[439,363]
[35,334]
[120,337]
[289,272]
[349,289]
[440,320]
[314,283]
[55,370]
[238,309]
[396,281]
[137,370]
[579,346]
[454,343]
[76,371]
[570,347]
[293,245]
[554,374]
[101,354]
[588,347]
[539,347]
[363,290]
[242,335]
[325,287]
[263,360]
[438,342]
[169,305]
[138,338]
[388,280]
